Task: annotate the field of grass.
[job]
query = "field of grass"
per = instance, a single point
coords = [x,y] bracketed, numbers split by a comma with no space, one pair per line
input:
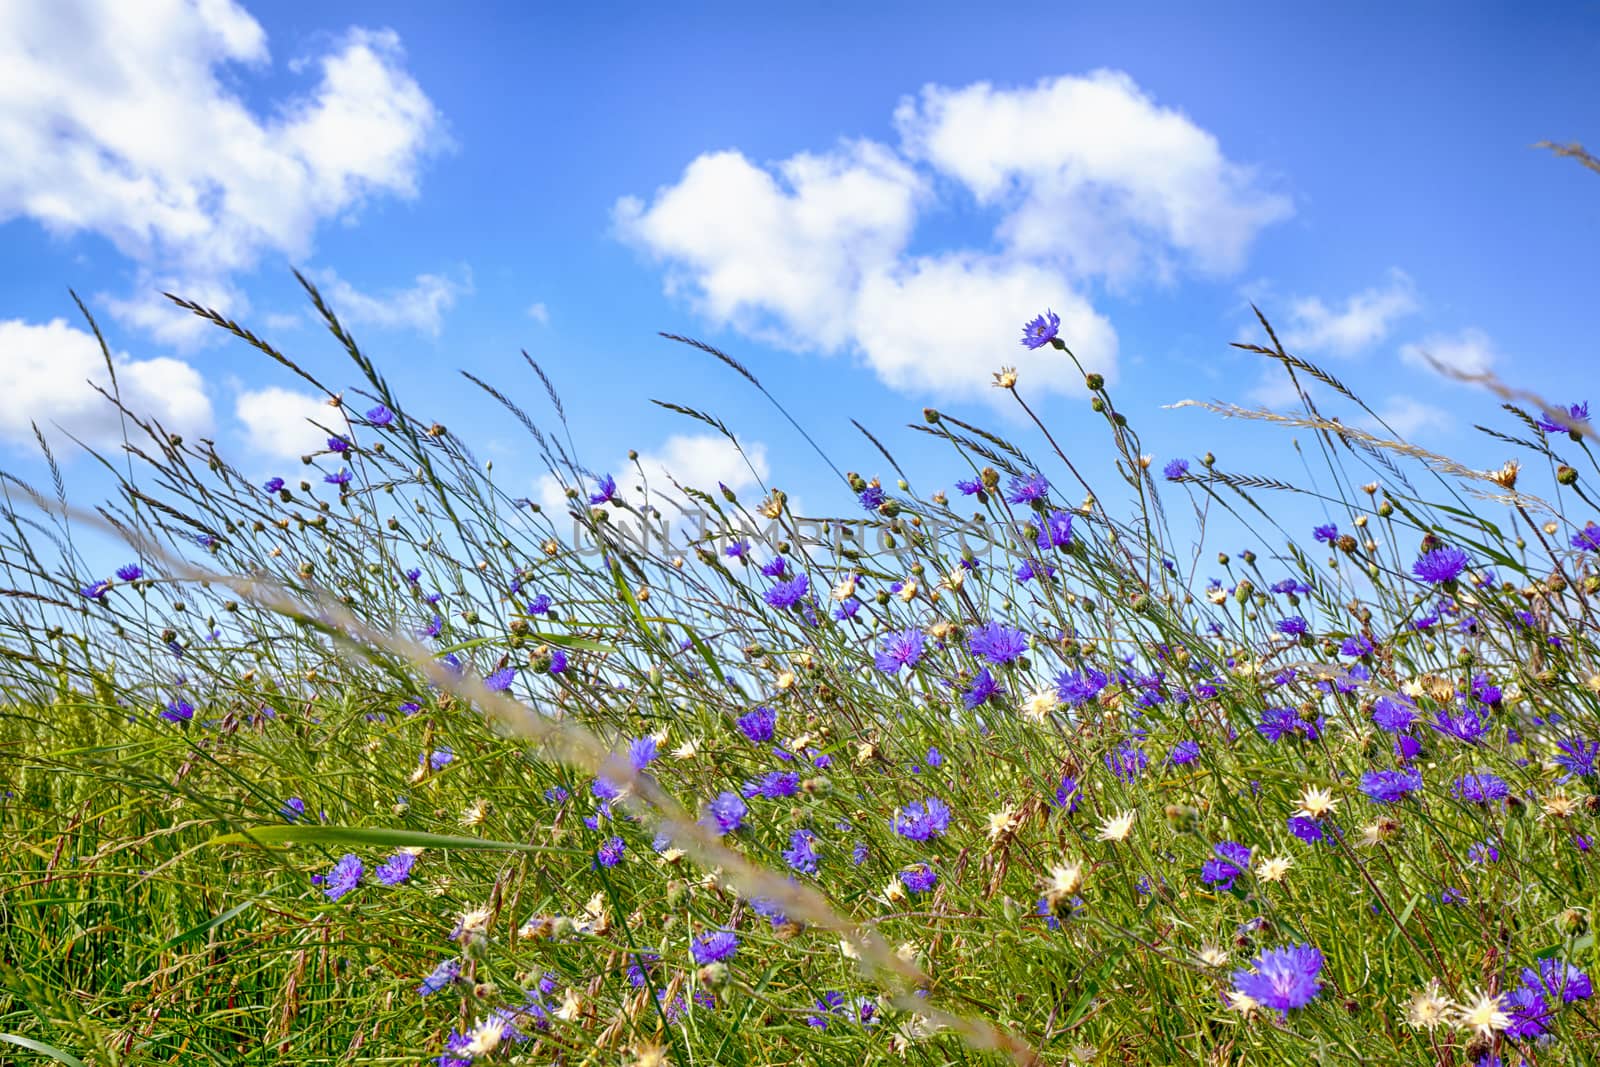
[381,764]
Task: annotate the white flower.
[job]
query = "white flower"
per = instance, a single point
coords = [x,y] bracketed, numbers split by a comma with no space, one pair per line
[1118,827]
[1482,1015]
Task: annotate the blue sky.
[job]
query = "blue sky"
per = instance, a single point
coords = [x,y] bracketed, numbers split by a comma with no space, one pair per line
[863,205]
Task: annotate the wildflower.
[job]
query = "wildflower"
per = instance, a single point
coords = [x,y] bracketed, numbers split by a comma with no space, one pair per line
[341,478]
[293,809]
[178,711]
[873,497]
[1126,761]
[758,725]
[609,854]
[1484,1015]
[903,649]
[1282,978]
[1587,539]
[1328,533]
[802,852]
[788,594]
[1038,706]
[338,444]
[1184,752]
[1004,822]
[1429,1008]
[714,947]
[439,757]
[380,416]
[442,977]
[1389,787]
[95,591]
[1211,956]
[475,813]
[921,820]
[1577,415]
[919,879]
[1395,716]
[1025,489]
[1315,802]
[485,1037]
[1274,869]
[1056,532]
[273,485]
[1441,565]
[997,643]
[1480,787]
[1176,471]
[607,491]
[726,813]
[1231,861]
[983,689]
[1118,827]
[1041,331]
[500,680]
[345,876]
[1293,626]
[130,572]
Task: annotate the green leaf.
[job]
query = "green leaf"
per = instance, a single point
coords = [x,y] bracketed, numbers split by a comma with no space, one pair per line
[372,835]
[43,1049]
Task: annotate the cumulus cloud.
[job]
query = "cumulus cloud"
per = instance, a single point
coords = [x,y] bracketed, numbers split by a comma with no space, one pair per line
[1408,417]
[122,120]
[1089,178]
[1365,318]
[278,422]
[1469,351]
[420,307]
[45,371]
[1092,172]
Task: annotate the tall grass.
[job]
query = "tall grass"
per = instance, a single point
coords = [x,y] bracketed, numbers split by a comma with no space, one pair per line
[400,768]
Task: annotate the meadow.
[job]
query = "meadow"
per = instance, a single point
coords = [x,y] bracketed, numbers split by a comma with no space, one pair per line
[378,762]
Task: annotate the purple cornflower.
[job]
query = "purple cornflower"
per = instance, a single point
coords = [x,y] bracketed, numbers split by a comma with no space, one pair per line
[828,1004]
[737,550]
[1388,787]
[919,879]
[178,711]
[774,785]
[273,485]
[130,572]
[95,591]
[1441,565]
[1025,489]
[921,820]
[558,661]
[293,809]
[609,854]
[1067,794]
[1577,414]
[1041,331]
[1076,688]
[1464,724]
[342,478]
[758,725]
[1587,539]
[1561,979]
[774,567]
[1231,862]
[1126,761]
[1278,722]
[1283,978]
[802,852]
[788,594]
[714,947]
[1327,533]
[1577,757]
[1357,645]
[903,649]
[443,976]
[1184,752]
[726,812]
[338,444]
[607,491]
[345,876]
[396,869]
[1176,471]
[969,486]
[1056,531]
[873,497]
[380,416]
[439,757]
[642,752]
[1293,626]
[1393,714]
[500,679]
[983,689]
[1305,829]
[1480,787]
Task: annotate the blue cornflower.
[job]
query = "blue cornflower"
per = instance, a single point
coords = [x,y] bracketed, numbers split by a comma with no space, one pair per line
[1587,539]
[997,643]
[1042,330]
[1577,757]
[380,416]
[1076,688]
[396,869]
[1282,978]
[338,444]
[726,812]
[1025,489]
[130,572]
[847,609]
[273,485]
[775,567]
[607,491]
[859,853]
[1184,752]
[774,785]
[642,752]
[903,649]
[969,486]
[96,591]
[1277,722]
[1327,533]
[1465,724]
[1126,761]
[737,550]
[1389,787]
[1067,794]
[983,689]
[1305,829]
[1357,645]
[558,661]
[1480,787]
[1561,979]
[1393,714]
[758,725]
[714,947]
[935,758]
[802,852]
[1027,572]
[442,977]
[921,820]
[500,679]
[1056,531]
[1291,587]
[342,478]
[179,710]
[872,498]
[1231,862]
[1441,565]
[609,854]
[919,879]
[293,809]
[788,594]
[828,1004]
[440,757]
[345,876]
[1577,414]
[1176,471]
[1293,626]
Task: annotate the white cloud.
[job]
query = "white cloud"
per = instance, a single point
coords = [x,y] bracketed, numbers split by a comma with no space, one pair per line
[45,372]
[540,314]
[1364,320]
[122,120]
[1408,417]
[1469,351]
[946,324]
[160,318]
[277,422]
[1093,174]
[421,307]
[1090,179]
